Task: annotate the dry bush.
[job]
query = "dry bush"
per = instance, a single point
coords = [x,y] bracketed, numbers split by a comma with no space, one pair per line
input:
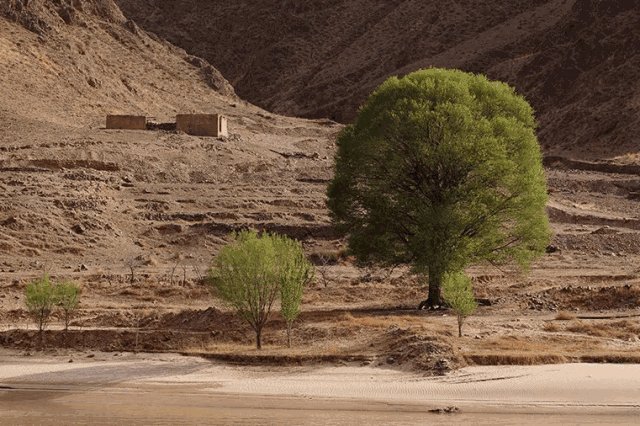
[551,327]
[624,330]
[565,316]
[328,257]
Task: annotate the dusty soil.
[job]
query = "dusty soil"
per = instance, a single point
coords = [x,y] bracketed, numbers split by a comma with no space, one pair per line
[577,61]
[136,216]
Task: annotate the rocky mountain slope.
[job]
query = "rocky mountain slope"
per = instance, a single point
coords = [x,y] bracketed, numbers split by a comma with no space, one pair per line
[71,61]
[73,193]
[577,61]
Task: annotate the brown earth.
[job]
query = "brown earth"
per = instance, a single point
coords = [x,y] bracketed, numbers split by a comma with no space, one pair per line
[576,61]
[136,217]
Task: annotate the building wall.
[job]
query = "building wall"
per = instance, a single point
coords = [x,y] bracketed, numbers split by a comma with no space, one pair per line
[202,124]
[128,122]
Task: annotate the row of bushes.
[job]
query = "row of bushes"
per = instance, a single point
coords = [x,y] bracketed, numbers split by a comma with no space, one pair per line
[43,297]
[250,274]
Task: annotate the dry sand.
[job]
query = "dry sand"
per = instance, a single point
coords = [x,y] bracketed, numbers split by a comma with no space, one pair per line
[169,388]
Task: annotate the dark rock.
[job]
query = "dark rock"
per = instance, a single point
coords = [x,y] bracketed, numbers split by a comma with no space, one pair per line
[605,230]
[552,249]
[445,410]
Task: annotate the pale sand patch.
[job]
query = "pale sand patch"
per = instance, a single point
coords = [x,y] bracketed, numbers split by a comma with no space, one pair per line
[569,387]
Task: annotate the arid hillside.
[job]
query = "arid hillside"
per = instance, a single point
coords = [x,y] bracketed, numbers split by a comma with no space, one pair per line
[70,62]
[136,216]
[577,61]
[74,193]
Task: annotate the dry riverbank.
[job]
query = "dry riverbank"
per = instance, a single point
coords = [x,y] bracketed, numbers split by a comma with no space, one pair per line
[152,388]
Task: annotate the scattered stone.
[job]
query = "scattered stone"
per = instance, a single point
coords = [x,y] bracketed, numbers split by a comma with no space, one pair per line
[93,82]
[483,301]
[78,229]
[84,267]
[70,360]
[91,356]
[446,410]
[605,230]
[442,366]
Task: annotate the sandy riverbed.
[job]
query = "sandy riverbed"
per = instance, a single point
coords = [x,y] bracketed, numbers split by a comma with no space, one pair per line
[173,389]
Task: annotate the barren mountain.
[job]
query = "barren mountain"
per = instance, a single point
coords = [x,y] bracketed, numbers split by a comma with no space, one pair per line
[577,61]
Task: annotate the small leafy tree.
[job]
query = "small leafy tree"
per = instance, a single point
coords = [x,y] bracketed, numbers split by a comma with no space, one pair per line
[40,299]
[68,299]
[458,294]
[244,275]
[294,272]
[441,169]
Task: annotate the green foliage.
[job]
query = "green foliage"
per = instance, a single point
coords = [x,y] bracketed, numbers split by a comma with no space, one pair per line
[67,298]
[458,294]
[442,169]
[40,299]
[295,272]
[249,274]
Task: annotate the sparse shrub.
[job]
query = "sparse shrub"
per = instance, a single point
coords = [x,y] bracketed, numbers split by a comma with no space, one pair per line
[133,263]
[40,299]
[67,297]
[551,327]
[248,275]
[295,272]
[458,294]
[323,259]
[565,316]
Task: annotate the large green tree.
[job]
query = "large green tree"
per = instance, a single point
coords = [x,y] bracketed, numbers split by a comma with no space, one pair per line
[441,169]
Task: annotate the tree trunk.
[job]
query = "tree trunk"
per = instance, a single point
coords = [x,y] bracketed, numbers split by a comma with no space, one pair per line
[435,283]
[460,320]
[289,335]
[259,338]
[66,321]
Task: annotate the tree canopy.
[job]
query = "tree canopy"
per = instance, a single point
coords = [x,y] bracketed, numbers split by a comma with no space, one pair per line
[440,170]
[253,270]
